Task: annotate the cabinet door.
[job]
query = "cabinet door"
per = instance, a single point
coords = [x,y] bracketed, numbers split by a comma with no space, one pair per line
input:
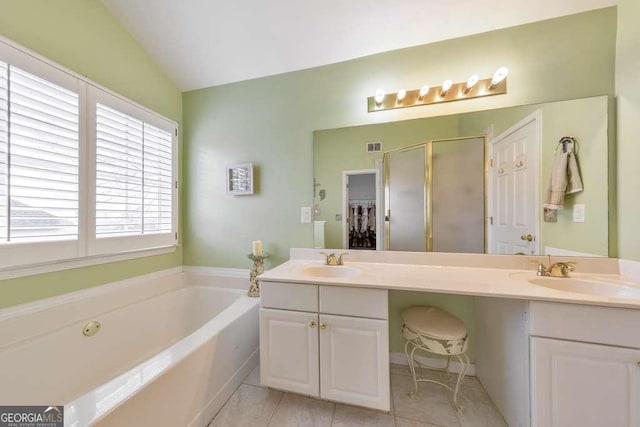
[354,361]
[578,384]
[289,351]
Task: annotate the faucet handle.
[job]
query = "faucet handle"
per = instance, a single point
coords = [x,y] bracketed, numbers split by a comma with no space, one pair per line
[340,262]
[542,270]
[330,259]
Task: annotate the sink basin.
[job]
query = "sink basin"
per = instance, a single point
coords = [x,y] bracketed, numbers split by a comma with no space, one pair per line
[588,286]
[329,271]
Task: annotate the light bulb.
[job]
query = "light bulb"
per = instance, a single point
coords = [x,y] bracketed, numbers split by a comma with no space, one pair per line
[471,82]
[379,96]
[424,90]
[401,94]
[499,75]
[446,85]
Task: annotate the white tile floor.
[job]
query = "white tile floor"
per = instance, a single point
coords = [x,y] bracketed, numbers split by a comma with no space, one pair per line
[252,405]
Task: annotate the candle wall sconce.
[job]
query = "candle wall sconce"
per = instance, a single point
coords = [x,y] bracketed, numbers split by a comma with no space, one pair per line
[240,179]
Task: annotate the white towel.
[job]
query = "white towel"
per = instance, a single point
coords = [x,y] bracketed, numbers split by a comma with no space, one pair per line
[574,183]
[564,179]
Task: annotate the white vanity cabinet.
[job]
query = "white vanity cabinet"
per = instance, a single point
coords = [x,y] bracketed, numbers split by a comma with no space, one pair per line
[330,342]
[585,366]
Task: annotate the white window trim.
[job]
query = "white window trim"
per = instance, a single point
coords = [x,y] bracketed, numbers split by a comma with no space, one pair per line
[81,255]
[68,264]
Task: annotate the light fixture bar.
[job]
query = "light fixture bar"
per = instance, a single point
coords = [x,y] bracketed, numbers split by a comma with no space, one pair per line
[457,92]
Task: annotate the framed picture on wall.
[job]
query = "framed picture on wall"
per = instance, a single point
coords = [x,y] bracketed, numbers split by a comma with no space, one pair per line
[240,179]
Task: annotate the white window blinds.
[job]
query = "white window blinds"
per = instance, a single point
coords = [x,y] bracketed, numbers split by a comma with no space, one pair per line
[134,176]
[39,159]
[4,150]
[158,180]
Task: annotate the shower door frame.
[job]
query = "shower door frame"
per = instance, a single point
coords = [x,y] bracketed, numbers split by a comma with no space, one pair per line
[428,188]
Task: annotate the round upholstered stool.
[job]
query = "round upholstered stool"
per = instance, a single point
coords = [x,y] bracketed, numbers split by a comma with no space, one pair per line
[438,332]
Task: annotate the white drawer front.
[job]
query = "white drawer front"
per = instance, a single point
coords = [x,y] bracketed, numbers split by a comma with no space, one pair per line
[601,325]
[289,296]
[357,302]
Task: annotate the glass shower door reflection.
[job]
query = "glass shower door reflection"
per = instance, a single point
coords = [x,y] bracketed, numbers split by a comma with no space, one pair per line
[406,199]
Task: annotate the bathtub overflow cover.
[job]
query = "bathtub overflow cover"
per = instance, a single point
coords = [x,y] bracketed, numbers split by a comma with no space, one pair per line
[91,328]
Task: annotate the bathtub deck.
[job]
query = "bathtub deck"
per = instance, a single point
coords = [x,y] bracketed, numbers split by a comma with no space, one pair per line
[253,405]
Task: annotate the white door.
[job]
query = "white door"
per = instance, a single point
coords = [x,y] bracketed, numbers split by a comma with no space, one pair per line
[586,385]
[289,351]
[354,359]
[513,197]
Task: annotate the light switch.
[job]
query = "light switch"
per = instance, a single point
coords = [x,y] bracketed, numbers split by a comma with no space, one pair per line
[578,213]
[305,214]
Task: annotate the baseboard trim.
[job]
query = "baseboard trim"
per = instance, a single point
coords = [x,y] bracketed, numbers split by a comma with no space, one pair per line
[432,362]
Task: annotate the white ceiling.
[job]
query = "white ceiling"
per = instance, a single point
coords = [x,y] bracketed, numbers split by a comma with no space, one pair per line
[201,43]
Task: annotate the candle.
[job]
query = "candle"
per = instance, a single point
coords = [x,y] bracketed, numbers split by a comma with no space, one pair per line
[257,248]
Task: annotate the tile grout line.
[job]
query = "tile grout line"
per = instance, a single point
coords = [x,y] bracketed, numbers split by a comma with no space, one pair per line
[333,413]
[276,407]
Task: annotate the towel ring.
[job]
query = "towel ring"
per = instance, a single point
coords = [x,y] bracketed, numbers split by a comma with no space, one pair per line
[564,141]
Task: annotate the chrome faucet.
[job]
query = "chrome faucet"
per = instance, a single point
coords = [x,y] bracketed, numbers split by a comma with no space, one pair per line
[332,259]
[558,269]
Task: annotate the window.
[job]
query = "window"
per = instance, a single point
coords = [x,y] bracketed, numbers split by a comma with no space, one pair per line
[82,171]
[134,176]
[40,158]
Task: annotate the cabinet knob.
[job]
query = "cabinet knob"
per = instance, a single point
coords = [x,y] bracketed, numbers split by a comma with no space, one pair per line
[312,324]
[323,326]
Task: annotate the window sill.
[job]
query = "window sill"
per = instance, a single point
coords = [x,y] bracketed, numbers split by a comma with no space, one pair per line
[50,267]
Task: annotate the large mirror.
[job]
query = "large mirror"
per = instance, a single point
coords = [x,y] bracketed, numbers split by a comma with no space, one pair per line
[473,182]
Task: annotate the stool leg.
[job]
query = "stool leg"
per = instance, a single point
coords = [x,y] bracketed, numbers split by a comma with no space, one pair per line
[406,353]
[464,364]
[446,368]
[412,366]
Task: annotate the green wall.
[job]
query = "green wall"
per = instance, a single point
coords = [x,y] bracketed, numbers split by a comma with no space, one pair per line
[628,115]
[270,121]
[82,36]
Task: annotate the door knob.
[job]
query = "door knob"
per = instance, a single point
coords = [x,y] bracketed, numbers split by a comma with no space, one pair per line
[312,324]
[527,237]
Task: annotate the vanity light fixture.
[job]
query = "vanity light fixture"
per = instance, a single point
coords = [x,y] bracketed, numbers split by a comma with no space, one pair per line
[446,85]
[449,91]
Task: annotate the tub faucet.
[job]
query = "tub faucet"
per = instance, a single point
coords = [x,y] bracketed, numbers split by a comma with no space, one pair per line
[332,259]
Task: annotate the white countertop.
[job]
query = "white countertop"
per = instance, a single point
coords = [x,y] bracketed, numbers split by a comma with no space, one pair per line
[489,282]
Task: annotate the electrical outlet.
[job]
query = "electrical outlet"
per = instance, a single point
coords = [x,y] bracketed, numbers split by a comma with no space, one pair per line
[305,215]
[578,213]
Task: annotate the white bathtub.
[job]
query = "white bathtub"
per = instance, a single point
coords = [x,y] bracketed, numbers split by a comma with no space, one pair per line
[170,350]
